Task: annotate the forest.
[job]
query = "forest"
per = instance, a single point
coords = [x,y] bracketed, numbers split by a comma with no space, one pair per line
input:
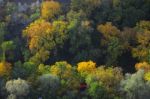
[74,49]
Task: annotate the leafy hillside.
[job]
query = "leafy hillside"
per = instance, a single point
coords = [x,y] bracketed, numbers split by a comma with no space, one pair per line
[74,49]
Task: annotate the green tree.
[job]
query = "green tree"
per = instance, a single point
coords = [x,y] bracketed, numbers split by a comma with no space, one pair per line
[48,85]
[111,42]
[96,89]
[86,5]
[6,46]
[24,70]
[80,32]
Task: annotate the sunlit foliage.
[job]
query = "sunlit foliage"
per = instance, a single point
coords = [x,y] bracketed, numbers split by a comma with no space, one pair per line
[74,49]
[86,68]
[50,9]
[5,68]
[35,31]
[43,36]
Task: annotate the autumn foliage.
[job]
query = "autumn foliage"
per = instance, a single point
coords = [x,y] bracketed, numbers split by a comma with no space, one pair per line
[50,9]
[74,49]
[5,69]
[86,67]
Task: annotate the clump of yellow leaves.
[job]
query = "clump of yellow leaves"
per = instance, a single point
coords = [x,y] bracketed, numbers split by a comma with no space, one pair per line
[5,68]
[86,67]
[49,9]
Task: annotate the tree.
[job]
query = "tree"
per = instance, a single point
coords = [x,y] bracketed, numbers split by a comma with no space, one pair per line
[18,87]
[141,51]
[108,31]
[5,69]
[80,33]
[69,79]
[96,89]
[118,12]
[133,6]
[50,9]
[111,42]
[43,37]
[135,87]
[48,85]
[86,5]
[110,78]
[85,68]
[44,69]
[23,70]
[103,82]
[62,70]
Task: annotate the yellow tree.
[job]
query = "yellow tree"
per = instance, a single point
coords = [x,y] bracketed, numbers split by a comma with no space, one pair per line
[141,51]
[5,69]
[85,68]
[35,31]
[44,36]
[49,9]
